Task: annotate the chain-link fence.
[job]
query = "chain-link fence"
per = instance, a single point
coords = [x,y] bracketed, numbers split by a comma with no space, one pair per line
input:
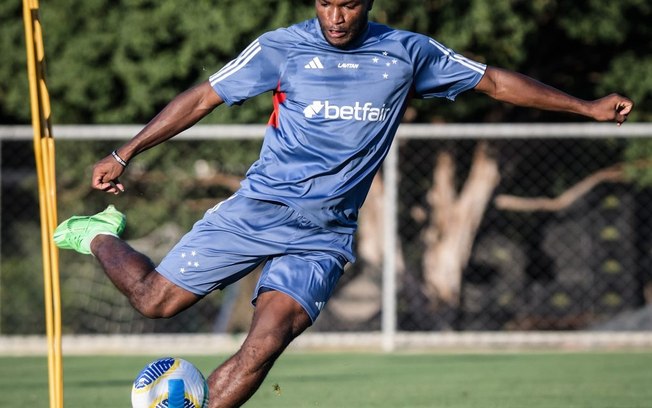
[504,228]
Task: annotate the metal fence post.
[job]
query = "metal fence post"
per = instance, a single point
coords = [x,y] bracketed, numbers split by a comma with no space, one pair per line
[390,177]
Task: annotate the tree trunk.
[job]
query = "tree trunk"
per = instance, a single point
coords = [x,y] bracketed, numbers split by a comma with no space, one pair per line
[454,221]
[614,174]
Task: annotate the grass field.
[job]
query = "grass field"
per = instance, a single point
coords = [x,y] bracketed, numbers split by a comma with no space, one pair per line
[501,380]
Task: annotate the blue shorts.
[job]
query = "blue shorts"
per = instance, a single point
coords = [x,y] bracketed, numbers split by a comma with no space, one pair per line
[304,260]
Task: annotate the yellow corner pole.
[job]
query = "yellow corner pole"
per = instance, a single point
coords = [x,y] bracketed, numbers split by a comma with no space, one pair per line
[45,167]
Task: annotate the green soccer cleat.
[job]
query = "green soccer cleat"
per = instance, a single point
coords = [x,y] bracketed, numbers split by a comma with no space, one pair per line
[78,232]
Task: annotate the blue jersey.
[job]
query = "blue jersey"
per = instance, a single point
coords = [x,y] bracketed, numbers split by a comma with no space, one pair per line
[336,111]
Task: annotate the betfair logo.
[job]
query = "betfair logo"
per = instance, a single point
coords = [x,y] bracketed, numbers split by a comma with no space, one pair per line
[359,112]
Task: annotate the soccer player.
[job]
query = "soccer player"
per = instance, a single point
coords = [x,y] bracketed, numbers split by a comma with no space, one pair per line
[340,87]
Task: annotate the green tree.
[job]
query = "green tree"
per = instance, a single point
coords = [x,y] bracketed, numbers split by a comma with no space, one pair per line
[121,61]
[587,48]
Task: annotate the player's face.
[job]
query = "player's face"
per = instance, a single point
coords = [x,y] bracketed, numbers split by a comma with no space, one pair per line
[342,21]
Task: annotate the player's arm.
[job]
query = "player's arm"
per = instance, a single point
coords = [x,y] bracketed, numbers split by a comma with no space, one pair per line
[518,89]
[182,112]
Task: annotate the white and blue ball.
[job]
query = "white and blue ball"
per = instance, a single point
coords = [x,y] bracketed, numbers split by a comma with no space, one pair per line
[169,383]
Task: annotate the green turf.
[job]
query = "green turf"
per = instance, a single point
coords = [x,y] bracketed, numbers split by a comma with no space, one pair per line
[536,380]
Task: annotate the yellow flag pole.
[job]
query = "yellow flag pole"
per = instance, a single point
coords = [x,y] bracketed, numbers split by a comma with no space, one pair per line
[45,167]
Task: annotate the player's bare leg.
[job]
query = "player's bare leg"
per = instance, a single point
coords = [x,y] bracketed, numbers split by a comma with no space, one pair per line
[135,276]
[130,271]
[278,319]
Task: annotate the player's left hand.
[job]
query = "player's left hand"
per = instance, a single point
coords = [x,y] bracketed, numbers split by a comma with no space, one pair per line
[612,108]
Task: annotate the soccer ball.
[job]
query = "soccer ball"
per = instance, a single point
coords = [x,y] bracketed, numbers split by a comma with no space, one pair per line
[169,383]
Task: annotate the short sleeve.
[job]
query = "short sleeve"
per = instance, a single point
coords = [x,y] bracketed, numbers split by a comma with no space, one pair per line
[441,72]
[255,71]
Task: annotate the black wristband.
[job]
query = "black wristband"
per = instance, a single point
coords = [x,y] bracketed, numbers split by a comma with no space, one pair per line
[118,158]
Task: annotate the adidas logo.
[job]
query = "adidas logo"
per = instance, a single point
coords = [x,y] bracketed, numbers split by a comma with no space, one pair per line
[315,63]
[320,305]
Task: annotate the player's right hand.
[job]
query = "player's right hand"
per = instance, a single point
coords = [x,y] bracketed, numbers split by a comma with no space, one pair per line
[105,176]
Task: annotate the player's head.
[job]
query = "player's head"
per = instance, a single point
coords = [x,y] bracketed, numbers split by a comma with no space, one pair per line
[342,21]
